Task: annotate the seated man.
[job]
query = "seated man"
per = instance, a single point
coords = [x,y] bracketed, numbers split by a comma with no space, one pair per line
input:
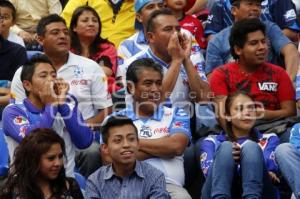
[121,142]
[86,79]
[218,50]
[138,42]
[28,15]
[265,83]
[184,76]
[164,132]
[45,103]
[281,12]
[12,56]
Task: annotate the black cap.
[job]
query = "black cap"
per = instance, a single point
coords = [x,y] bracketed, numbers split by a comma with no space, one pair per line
[232,1]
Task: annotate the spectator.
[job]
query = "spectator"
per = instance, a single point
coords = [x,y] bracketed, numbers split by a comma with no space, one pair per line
[138,42]
[9,64]
[281,12]
[9,18]
[157,124]
[28,15]
[117,17]
[85,29]
[38,169]
[188,22]
[46,99]
[143,181]
[218,50]
[245,154]
[172,50]
[86,79]
[264,82]
[288,159]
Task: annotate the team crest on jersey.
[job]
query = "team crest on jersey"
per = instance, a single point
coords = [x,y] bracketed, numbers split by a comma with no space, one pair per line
[268,86]
[20,120]
[78,72]
[290,15]
[22,131]
[263,143]
[145,131]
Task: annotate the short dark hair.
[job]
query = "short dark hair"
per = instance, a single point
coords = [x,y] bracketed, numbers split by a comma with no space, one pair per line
[156,13]
[52,18]
[8,4]
[29,67]
[134,69]
[240,30]
[113,121]
[237,2]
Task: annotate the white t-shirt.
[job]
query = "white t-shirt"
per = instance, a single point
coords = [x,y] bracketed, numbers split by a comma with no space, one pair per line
[15,38]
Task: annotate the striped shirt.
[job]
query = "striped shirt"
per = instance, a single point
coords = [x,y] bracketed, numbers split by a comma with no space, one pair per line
[145,182]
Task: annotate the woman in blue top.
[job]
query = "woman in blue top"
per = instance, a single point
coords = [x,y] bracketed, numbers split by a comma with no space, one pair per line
[241,161]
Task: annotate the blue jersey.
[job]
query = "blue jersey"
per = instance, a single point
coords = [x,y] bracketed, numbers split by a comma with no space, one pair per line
[20,119]
[267,142]
[281,12]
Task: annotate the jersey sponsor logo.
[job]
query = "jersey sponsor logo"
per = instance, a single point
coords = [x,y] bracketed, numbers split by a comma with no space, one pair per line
[290,15]
[22,131]
[79,82]
[20,120]
[268,86]
[145,131]
[163,130]
[78,71]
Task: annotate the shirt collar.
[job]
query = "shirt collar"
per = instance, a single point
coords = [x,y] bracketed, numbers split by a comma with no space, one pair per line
[141,38]
[109,172]
[31,108]
[157,59]
[129,111]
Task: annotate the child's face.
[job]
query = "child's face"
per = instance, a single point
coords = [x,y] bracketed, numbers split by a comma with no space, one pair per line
[8,21]
[242,113]
[176,4]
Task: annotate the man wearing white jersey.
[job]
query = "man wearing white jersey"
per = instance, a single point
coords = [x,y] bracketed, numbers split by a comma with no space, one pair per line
[163,132]
[86,79]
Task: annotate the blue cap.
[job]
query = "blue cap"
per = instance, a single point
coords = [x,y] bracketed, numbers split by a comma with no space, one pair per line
[138,5]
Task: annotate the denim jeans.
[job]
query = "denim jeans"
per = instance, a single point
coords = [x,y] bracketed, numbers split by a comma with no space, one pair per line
[225,179]
[288,159]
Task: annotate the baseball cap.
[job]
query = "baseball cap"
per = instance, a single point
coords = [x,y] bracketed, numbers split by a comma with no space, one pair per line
[138,5]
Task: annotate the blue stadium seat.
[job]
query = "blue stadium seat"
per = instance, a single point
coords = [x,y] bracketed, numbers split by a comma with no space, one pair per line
[4,157]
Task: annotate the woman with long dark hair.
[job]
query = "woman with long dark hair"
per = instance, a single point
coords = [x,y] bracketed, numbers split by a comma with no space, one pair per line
[85,29]
[38,171]
[240,160]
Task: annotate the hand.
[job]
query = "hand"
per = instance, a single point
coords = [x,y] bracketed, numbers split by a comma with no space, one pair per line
[61,89]
[27,37]
[186,44]
[174,47]
[47,93]
[274,177]
[236,152]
